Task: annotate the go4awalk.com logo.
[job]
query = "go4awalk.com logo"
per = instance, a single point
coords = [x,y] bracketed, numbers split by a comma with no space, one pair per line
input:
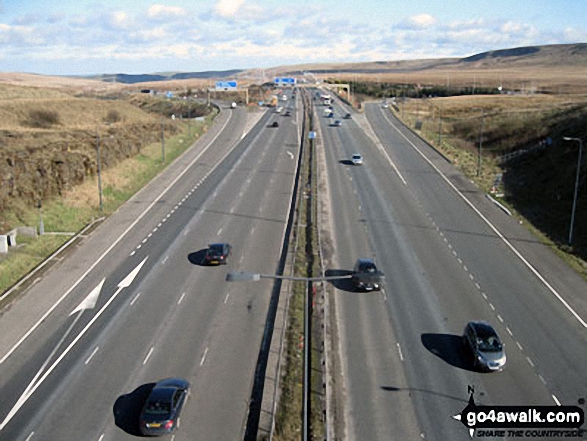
[522,421]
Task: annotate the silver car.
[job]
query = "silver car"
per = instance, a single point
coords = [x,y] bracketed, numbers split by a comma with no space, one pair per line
[357,159]
[484,345]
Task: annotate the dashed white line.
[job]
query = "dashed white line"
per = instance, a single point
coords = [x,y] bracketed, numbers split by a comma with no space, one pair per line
[167,217]
[471,276]
[101,437]
[219,231]
[139,246]
[542,379]
[158,225]
[558,403]
[226,298]
[181,298]
[93,353]
[145,240]
[465,268]
[399,349]
[519,346]
[148,355]
[135,299]
[163,220]
[492,307]
[477,285]
[133,253]
[30,436]
[530,361]
[149,235]
[509,331]
[165,260]
[500,318]
[185,233]
[484,295]
[204,357]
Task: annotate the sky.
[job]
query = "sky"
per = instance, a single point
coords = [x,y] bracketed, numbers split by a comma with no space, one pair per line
[86,37]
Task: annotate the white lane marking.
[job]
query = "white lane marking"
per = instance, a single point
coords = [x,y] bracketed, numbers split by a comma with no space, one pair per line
[509,331]
[91,355]
[163,220]
[519,346]
[149,235]
[204,357]
[495,230]
[32,387]
[226,298]
[558,403]
[492,307]
[168,216]
[135,299]
[101,437]
[399,349]
[30,436]
[181,298]
[133,253]
[477,285]
[165,260]
[139,246]
[542,379]
[148,356]
[290,154]
[158,225]
[380,147]
[500,318]
[185,233]
[219,231]
[484,295]
[144,240]
[530,361]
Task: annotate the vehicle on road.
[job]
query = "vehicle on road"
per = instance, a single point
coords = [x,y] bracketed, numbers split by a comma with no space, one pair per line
[161,412]
[287,113]
[337,123]
[233,105]
[365,276]
[275,124]
[348,116]
[357,159]
[484,346]
[217,253]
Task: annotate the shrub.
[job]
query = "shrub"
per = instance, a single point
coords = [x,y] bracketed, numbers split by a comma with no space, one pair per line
[113,116]
[43,119]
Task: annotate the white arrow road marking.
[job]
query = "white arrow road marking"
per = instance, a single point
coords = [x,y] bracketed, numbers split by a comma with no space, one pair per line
[32,387]
[290,154]
[90,301]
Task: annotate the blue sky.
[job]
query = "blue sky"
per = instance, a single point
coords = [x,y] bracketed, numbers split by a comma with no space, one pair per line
[144,36]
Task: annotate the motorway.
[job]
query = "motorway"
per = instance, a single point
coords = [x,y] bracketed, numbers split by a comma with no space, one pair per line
[142,307]
[446,261]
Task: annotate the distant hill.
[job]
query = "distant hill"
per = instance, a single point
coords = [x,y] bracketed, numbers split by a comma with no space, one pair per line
[144,78]
[559,55]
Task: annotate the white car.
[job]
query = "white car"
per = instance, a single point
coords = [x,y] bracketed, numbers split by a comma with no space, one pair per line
[357,159]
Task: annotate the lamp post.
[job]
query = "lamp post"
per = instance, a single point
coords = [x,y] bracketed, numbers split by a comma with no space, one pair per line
[580,141]
[248,276]
[480,141]
[99,170]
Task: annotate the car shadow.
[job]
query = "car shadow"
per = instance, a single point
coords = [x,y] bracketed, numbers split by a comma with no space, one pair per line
[197,258]
[342,284]
[127,409]
[345,162]
[449,348]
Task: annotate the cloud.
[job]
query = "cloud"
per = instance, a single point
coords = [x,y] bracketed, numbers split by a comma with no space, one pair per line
[164,12]
[228,8]
[420,21]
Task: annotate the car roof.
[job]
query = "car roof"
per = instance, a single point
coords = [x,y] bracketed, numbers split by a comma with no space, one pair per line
[482,328]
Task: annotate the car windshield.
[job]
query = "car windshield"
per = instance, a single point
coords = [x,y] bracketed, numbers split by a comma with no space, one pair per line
[356,156]
[487,340]
[367,267]
[216,250]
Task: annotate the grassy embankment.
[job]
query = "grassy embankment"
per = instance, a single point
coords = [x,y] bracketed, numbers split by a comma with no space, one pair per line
[71,206]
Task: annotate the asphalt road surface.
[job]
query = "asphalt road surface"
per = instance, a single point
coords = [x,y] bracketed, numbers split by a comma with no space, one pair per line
[148,309]
[446,262]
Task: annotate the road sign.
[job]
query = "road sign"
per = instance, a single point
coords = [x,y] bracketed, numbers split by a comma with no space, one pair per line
[226,85]
[284,81]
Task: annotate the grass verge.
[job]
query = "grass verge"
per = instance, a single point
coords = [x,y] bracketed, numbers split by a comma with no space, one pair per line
[80,205]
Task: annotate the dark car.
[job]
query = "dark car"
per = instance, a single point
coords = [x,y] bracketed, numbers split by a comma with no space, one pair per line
[217,253]
[275,124]
[348,116]
[287,113]
[160,414]
[484,346]
[365,276]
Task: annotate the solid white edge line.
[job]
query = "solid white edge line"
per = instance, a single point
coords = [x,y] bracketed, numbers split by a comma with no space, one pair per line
[124,233]
[495,230]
